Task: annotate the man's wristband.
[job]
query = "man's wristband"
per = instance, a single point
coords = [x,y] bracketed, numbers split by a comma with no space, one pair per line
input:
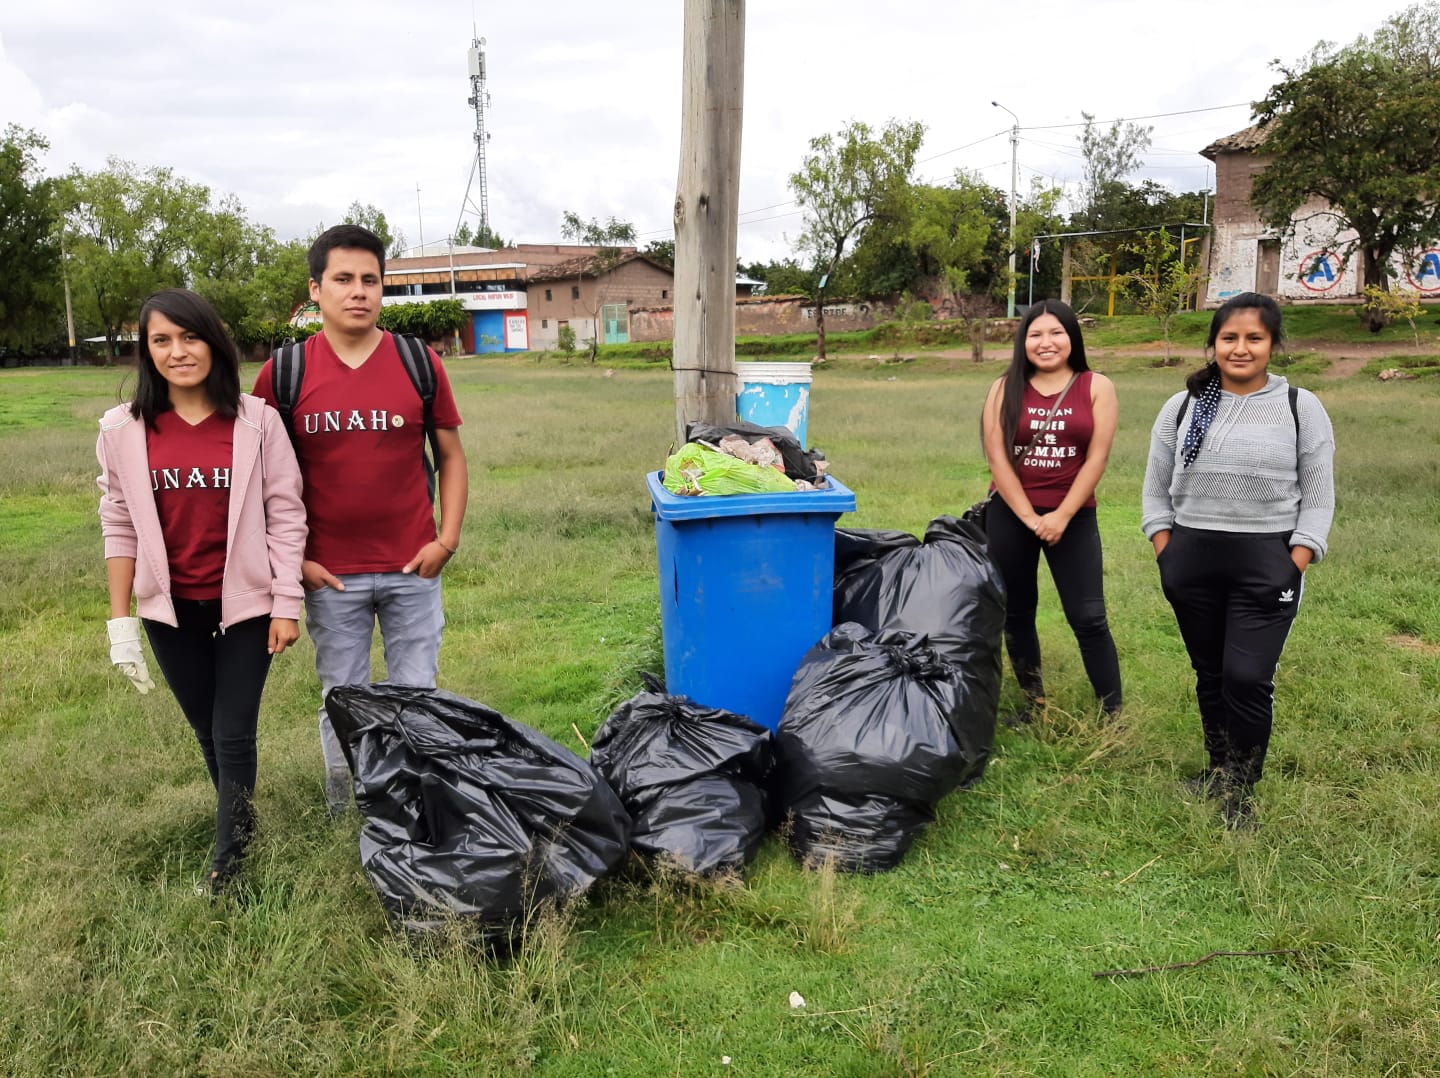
[452,551]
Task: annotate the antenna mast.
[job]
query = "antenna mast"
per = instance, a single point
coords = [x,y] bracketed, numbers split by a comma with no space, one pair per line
[479,101]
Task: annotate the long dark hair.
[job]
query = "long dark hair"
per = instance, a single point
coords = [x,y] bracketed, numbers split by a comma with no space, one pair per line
[1269,312]
[1021,369]
[188,311]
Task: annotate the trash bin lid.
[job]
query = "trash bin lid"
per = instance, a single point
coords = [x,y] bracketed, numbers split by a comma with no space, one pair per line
[834,499]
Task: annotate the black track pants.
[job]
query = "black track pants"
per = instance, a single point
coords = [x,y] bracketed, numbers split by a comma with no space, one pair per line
[1078,571]
[217,679]
[1235,596]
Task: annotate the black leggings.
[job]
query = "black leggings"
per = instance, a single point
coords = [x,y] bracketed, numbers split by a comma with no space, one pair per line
[1076,567]
[1235,597]
[217,679]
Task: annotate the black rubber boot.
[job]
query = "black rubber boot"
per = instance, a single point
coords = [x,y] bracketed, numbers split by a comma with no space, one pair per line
[1207,785]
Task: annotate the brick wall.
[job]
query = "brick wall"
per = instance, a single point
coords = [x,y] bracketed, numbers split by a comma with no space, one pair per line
[767,316]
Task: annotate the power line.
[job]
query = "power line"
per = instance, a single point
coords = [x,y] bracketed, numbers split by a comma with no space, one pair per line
[1152,116]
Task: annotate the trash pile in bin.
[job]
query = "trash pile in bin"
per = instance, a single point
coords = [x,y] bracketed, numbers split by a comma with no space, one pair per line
[743,459]
[470,815]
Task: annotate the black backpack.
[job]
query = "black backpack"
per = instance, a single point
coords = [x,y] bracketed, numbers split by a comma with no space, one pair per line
[288,371]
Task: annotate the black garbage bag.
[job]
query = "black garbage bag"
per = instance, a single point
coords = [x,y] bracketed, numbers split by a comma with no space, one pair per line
[868,745]
[799,462]
[946,589]
[469,814]
[693,779]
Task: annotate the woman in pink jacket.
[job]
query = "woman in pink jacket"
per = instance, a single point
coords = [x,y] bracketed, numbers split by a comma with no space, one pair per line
[203,523]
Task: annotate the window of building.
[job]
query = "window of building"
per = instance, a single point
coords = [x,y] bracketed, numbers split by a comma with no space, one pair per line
[664,293]
[544,323]
[548,296]
[574,291]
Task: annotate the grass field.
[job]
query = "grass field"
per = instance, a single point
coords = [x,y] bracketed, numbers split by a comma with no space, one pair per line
[1076,854]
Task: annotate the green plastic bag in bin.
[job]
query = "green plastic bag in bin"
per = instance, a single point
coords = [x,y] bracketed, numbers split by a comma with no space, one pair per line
[696,469]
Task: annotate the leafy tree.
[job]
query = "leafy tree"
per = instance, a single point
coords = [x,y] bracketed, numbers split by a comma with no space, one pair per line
[129,233]
[1163,285]
[662,251]
[611,234]
[609,237]
[1358,128]
[847,182]
[1394,305]
[30,253]
[225,254]
[482,235]
[281,280]
[785,277]
[1109,156]
[368,216]
[434,320]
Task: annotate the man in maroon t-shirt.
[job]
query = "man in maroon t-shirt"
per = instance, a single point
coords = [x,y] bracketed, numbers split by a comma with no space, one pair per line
[374,552]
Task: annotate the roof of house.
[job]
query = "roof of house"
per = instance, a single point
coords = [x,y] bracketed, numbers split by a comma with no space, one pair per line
[585,265]
[1244,141]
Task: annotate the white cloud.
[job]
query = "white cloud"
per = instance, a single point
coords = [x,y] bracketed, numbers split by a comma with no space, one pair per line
[302,110]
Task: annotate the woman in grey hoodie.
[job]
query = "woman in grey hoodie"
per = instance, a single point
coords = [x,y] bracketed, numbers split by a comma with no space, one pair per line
[1238,498]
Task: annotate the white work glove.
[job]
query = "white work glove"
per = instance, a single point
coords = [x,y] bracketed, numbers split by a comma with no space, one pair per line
[126,654]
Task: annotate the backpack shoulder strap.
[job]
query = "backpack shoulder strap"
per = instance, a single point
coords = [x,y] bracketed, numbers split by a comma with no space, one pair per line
[420,368]
[1184,407]
[1295,413]
[287,370]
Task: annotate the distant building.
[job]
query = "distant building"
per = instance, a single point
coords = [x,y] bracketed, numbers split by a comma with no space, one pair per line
[1248,256]
[519,297]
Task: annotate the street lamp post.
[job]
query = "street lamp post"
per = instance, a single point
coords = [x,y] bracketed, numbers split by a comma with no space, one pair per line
[1014,181]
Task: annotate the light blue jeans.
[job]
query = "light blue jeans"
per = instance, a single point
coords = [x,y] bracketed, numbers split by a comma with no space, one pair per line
[341,625]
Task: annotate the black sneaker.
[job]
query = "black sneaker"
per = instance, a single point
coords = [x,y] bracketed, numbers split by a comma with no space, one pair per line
[1018,719]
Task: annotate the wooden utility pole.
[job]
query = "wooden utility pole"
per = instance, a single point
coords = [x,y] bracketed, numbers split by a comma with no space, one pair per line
[707,212]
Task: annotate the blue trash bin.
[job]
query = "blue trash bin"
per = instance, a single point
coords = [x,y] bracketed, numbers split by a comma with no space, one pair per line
[745,591]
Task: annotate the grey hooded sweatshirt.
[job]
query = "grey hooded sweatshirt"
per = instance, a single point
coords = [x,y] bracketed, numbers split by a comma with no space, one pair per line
[1253,473]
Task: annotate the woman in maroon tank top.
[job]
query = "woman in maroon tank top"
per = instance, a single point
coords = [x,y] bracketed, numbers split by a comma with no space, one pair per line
[1046,457]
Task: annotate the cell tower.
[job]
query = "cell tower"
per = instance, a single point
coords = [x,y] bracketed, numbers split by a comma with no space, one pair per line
[479,101]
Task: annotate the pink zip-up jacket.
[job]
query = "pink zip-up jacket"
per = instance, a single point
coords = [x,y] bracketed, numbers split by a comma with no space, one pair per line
[265,541]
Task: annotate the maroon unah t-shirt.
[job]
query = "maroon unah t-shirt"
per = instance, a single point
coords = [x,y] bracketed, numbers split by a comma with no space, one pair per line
[190,476]
[358,435]
[1059,453]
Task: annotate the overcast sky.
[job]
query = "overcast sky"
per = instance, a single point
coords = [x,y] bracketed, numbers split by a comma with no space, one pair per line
[300,109]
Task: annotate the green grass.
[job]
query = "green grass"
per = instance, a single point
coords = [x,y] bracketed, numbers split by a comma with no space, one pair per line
[1074,855]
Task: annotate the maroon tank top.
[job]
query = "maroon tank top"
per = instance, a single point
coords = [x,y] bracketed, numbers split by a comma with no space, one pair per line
[1059,453]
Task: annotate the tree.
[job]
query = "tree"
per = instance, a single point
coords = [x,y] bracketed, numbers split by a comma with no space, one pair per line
[1163,286]
[482,235]
[129,234]
[608,237]
[368,216]
[847,182]
[281,281]
[1357,128]
[30,213]
[1109,156]
[662,251]
[225,254]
